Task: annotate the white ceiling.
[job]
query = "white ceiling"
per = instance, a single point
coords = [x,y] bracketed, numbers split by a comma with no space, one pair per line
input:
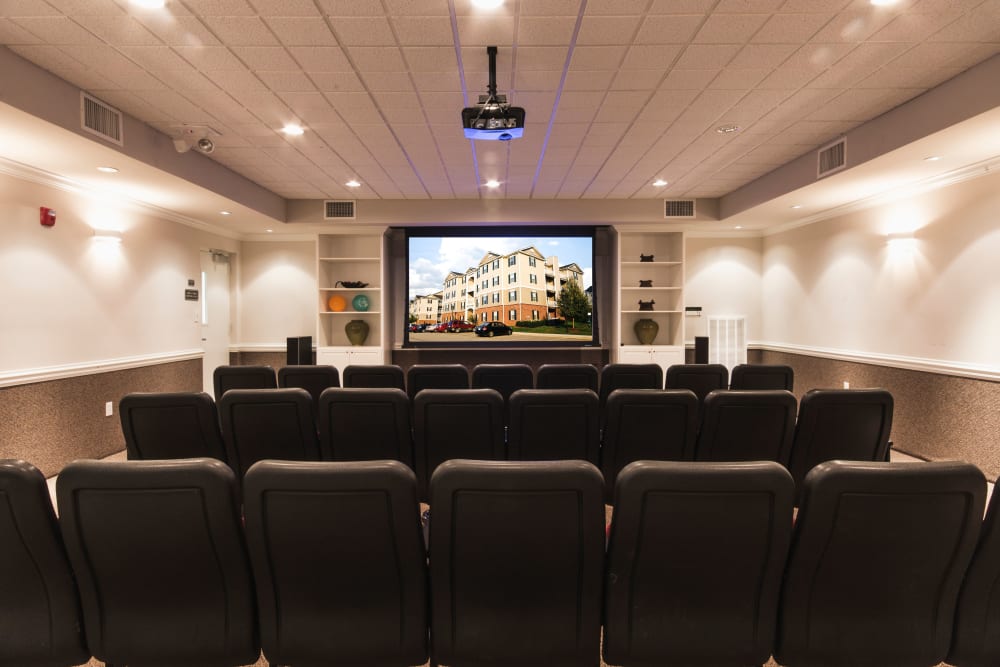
[618,93]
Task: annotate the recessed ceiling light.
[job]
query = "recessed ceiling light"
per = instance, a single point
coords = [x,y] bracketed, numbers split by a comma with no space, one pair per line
[738,227]
[796,206]
[728,128]
[882,3]
[225,212]
[353,184]
[492,183]
[932,158]
[659,182]
[107,170]
[487,4]
[293,130]
[149,4]
[268,230]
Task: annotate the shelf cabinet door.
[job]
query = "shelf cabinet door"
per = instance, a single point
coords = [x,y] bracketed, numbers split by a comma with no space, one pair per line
[664,355]
[342,357]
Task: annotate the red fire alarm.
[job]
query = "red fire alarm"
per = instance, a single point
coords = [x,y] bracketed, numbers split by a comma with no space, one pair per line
[47,216]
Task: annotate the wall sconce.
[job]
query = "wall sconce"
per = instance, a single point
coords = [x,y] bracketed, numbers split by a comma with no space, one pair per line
[901,244]
[108,235]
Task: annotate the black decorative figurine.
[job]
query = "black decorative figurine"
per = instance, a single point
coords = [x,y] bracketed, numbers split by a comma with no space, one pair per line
[646,305]
[645,283]
[645,258]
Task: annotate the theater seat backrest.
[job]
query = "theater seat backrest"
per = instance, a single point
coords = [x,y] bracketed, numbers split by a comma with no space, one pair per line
[358,424]
[159,557]
[312,378]
[40,621]
[516,557]
[174,425]
[387,375]
[877,558]
[976,642]
[679,593]
[339,562]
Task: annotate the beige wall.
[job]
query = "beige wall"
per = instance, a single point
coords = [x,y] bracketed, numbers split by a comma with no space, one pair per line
[723,276]
[838,285]
[277,292]
[70,299]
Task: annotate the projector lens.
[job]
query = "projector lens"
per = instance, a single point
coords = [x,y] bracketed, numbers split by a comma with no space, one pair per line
[506,136]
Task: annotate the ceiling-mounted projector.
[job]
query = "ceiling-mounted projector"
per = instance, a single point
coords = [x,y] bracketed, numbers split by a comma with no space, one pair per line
[493,119]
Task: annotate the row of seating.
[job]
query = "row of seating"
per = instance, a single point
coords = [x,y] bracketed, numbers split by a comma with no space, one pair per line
[148,564]
[508,378]
[534,424]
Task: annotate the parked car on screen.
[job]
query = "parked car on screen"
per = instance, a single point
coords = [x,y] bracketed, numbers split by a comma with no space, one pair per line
[493,329]
[432,328]
[459,326]
[417,328]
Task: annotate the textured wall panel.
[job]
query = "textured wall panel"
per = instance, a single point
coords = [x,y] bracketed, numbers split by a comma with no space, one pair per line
[52,423]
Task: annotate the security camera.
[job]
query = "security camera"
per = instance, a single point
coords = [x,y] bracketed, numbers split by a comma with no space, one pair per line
[186,137]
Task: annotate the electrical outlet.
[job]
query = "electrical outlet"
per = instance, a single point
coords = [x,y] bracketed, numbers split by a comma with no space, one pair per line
[109,409]
[847,385]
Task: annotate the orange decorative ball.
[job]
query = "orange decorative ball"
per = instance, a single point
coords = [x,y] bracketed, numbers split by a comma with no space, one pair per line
[337,303]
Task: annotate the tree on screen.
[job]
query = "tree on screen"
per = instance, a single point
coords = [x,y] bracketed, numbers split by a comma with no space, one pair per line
[573,303]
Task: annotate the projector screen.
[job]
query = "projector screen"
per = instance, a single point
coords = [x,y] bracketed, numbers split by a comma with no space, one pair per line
[520,286]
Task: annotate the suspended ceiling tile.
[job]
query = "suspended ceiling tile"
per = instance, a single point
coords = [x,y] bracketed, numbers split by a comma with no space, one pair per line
[437,81]
[551,8]
[418,7]
[210,58]
[580,80]
[297,8]
[364,31]
[423,30]
[544,30]
[274,58]
[707,56]
[120,30]
[340,8]
[608,30]
[689,79]
[57,30]
[638,79]
[376,59]
[431,58]
[791,28]
[302,31]
[483,30]
[241,30]
[670,29]
[589,58]
[179,30]
[739,79]
[729,28]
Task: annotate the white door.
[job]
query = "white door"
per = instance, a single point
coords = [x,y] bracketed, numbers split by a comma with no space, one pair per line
[214,313]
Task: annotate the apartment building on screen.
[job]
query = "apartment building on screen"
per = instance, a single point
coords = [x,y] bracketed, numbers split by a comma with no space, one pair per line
[522,285]
[427,309]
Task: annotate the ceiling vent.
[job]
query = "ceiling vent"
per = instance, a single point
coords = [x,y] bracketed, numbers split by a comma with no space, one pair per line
[339,209]
[98,118]
[831,158]
[678,208]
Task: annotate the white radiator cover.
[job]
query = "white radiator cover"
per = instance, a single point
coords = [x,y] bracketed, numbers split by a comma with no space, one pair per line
[727,340]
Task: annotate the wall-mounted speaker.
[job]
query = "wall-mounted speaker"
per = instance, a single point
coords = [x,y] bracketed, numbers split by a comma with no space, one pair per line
[701,349]
[299,351]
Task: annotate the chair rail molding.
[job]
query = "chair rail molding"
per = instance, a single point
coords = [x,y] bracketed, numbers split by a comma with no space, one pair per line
[46,373]
[956,368]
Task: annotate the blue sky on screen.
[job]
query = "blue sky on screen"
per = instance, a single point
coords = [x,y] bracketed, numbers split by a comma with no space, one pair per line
[432,258]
